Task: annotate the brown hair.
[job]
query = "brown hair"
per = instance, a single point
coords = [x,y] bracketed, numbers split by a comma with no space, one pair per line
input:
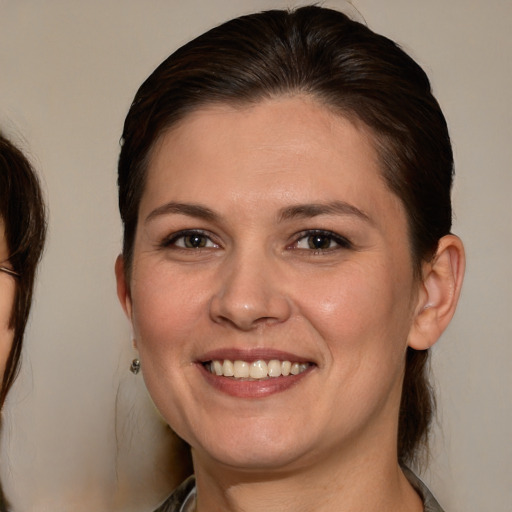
[350,70]
[23,213]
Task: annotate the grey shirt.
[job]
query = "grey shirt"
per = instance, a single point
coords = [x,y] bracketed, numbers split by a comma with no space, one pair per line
[183,498]
[430,504]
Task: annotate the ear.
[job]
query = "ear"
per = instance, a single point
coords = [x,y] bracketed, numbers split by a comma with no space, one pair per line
[439,293]
[123,289]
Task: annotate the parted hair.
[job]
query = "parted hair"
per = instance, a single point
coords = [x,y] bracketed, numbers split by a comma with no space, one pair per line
[23,213]
[350,70]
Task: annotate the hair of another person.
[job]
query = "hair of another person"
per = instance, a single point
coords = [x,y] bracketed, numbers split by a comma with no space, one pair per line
[350,70]
[24,216]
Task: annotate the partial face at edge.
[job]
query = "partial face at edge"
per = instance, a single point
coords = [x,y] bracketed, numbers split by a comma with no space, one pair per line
[7,291]
[268,233]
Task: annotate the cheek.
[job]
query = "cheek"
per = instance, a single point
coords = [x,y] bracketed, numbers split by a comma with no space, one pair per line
[165,310]
[6,334]
[6,339]
[359,305]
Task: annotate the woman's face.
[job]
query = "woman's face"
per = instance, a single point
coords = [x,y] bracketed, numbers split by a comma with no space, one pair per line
[267,233]
[7,289]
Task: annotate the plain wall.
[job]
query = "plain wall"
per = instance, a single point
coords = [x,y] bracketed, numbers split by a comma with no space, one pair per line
[68,72]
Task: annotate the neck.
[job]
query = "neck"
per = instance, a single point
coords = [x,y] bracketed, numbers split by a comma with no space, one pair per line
[365,485]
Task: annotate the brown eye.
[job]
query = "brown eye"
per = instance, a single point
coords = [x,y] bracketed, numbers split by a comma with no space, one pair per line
[195,241]
[319,242]
[189,239]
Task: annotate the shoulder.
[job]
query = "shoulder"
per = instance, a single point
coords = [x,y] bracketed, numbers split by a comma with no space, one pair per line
[429,502]
[176,500]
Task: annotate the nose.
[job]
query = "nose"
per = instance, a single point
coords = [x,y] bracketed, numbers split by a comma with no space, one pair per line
[250,295]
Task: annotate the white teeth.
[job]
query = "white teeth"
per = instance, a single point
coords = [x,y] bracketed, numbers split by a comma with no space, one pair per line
[228,368]
[285,368]
[241,370]
[274,368]
[217,368]
[256,370]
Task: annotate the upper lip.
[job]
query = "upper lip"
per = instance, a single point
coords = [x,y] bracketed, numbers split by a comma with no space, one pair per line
[250,355]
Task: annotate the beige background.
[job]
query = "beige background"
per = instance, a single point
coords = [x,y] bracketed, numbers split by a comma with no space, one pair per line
[68,71]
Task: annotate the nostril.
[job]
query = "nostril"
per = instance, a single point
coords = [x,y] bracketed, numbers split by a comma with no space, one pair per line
[251,313]
[250,292]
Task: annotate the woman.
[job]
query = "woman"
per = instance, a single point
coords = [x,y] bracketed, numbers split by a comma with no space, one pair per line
[284,184]
[22,234]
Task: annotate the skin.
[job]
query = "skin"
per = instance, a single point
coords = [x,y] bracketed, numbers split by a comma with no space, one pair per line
[7,290]
[350,309]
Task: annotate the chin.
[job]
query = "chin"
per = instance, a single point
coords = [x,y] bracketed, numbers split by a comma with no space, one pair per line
[263,460]
[253,450]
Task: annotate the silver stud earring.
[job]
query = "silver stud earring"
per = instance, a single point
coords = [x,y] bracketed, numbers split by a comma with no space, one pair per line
[135,366]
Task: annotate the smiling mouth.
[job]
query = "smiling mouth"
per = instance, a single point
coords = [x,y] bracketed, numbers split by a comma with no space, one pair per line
[255,370]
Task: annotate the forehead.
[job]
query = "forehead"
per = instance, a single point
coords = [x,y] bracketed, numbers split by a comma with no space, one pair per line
[304,119]
[290,148]
[275,135]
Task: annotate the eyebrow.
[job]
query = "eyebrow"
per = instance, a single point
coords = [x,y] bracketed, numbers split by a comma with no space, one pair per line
[290,212]
[189,209]
[317,209]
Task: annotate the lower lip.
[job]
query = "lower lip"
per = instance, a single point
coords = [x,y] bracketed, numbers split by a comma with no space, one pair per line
[252,388]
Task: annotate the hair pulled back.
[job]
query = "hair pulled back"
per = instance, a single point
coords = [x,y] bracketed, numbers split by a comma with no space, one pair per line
[350,70]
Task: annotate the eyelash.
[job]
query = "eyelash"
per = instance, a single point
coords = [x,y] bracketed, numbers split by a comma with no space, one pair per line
[171,241]
[340,241]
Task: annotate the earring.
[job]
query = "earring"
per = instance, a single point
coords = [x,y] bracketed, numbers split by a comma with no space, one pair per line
[135,366]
